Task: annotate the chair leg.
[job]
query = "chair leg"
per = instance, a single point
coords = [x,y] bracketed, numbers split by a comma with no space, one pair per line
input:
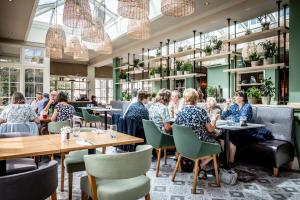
[158,162]
[70,179]
[196,171]
[62,181]
[53,196]
[275,171]
[216,170]
[147,197]
[84,196]
[176,167]
[165,156]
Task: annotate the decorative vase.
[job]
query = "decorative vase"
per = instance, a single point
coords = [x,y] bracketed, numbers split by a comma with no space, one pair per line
[266,100]
[157,75]
[254,63]
[252,100]
[268,61]
[186,72]
[178,72]
[216,51]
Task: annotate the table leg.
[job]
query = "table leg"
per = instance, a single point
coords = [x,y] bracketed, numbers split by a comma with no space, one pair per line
[226,150]
[105,120]
[2,167]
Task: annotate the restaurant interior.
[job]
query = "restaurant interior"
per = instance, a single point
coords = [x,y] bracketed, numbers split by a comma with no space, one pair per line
[149,99]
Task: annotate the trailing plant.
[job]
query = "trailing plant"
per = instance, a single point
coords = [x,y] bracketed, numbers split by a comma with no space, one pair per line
[126,96]
[253,92]
[207,50]
[187,67]
[178,65]
[269,48]
[152,72]
[267,88]
[216,43]
[253,56]
[211,91]
[180,49]
[122,75]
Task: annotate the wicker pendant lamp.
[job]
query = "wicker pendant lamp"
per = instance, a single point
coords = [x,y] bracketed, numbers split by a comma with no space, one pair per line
[133,9]
[54,53]
[104,47]
[55,37]
[82,54]
[95,33]
[77,14]
[73,45]
[138,29]
[177,8]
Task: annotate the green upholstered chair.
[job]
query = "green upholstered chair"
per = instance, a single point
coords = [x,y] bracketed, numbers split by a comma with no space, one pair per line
[117,176]
[89,118]
[188,145]
[159,140]
[73,162]
[54,127]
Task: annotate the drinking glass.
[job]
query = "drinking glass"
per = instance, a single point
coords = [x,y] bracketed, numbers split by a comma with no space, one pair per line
[76,130]
[113,131]
[230,120]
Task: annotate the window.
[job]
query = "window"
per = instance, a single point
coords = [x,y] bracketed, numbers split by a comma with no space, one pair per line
[104,90]
[33,55]
[9,83]
[33,83]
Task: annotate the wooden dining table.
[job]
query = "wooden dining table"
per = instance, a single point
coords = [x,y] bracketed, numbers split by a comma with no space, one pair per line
[18,147]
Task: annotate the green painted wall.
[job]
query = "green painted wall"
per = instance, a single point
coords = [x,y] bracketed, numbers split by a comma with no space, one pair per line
[294,53]
[116,88]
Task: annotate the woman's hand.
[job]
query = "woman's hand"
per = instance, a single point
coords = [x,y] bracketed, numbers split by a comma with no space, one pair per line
[226,104]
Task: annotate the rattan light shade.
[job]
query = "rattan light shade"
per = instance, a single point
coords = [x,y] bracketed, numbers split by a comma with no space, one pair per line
[138,29]
[55,37]
[77,14]
[133,9]
[73,45]
[82,54]
[55,53]
[177,8]
[104,47]
[95,33]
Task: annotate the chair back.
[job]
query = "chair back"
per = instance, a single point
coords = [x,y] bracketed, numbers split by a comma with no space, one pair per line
[86,115]
[34,185]
[152,133]
[119,166]
[27,127]
[54,127]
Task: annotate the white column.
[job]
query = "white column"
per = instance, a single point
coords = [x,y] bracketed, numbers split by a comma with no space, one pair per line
[91,81]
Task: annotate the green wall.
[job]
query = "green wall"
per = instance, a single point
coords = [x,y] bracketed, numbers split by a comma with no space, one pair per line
[294,53]
[116,88]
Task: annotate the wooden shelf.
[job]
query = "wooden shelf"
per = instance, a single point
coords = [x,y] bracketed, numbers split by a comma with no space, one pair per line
[137,72]
[185,76]
[255,69]
[184,53]
[216,56]
[152,79]
[155,59]
[125,82]
[258,35]
[125,67]
[248,84]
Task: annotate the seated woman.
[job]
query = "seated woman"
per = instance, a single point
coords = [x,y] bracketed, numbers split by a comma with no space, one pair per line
[174,104]
[62,111]
[17,111]
[211,107]
[197,118]
[240,108]
[94,101]
[159,112]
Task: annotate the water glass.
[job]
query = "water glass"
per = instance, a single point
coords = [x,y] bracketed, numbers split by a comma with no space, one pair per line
[230,121]
[76,130]
[113,131]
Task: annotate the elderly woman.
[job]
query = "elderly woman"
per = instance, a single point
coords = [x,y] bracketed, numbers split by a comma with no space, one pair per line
[62,111]
[211,107]
[174,104]
[17,111]
[159,112]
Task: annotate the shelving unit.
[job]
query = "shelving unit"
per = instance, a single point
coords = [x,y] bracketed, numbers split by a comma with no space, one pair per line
[256,68]
[184,53]
[249,84]
[185,76]
[216,56]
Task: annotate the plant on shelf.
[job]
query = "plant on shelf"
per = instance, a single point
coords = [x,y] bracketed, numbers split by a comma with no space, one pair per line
[158,71]
[158,52]
[263,20]
[216,45]
[254,58]
[253,95]
[180,49]
[178,67]
[207,50]
[126,96]
[187,68]
[141,65]
[211,91]
[152,73]
[267,90]
[122,76]
[270,50]
[248,32]
[136,64]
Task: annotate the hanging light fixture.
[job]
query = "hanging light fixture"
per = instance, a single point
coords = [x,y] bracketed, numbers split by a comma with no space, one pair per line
[73,45]
[104,47]
[82,54]
[138,29]
[77,14]
[177,8]
[95,33]
[54,53]
[133,9]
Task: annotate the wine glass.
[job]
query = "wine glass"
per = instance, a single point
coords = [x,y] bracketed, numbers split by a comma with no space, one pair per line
[76,130]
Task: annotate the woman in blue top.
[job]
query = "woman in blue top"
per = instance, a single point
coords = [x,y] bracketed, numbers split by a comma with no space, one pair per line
[240,108]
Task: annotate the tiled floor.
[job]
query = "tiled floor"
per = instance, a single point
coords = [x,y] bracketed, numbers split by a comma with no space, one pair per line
[287,186]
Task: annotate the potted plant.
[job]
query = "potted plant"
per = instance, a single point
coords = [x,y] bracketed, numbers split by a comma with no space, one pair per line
[207,50]
[187,68]
[267,90]
[180,49]
[211,91]
[178,67]
[158,71]
[263,20]
[253,95]
[158,52]
[254,58]
[122,77]
[152,73]
[141,66]
[248,32]
[269,51]
[216,45]
[126,96]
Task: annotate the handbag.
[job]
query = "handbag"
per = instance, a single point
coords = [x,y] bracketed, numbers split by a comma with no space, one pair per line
[228,177]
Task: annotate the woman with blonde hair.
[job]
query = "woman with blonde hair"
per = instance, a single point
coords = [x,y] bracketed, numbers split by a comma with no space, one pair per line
[211,107]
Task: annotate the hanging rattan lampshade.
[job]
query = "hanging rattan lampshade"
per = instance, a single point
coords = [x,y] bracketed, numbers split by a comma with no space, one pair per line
[55,53]
[77,14]
[55,37]
[73,45]
[104,47]
[95,33]
[82,54]
[138,29]
[133,9]
[177,8]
